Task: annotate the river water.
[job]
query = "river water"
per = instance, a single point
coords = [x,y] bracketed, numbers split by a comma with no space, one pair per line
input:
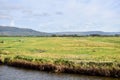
[12,73]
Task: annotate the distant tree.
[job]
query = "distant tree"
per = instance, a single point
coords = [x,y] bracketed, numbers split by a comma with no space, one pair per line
[75,35]
[54,35]
[117,35]
[95,35]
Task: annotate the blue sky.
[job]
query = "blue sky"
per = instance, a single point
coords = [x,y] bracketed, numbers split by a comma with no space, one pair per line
[61,15]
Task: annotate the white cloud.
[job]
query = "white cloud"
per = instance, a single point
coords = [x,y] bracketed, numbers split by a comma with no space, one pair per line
[5,17]
[12,23]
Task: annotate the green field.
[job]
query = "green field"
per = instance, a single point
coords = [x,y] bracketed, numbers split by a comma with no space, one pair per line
[78,51]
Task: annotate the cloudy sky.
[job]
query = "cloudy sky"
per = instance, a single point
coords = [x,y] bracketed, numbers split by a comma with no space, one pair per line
[61,15]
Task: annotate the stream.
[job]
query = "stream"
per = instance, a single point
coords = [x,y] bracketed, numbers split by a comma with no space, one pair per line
[12,73]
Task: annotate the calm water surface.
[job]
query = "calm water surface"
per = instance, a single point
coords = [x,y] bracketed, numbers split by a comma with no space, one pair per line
[11,73]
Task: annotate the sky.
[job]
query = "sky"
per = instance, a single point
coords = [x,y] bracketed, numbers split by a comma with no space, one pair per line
[61,15]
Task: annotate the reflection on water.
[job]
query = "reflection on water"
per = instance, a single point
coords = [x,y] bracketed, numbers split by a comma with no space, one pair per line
[10,73]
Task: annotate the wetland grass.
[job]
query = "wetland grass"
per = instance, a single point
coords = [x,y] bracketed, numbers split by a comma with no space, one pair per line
[81,55]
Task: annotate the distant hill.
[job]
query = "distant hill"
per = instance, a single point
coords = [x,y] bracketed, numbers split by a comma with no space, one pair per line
[13,31]
[88,33]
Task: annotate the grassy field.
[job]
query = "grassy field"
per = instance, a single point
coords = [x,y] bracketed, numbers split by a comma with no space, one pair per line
[74,52]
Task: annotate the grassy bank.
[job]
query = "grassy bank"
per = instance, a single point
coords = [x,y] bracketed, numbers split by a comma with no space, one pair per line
[83,55]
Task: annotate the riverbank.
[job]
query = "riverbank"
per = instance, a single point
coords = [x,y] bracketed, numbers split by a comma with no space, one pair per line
[99,56]
[104,69]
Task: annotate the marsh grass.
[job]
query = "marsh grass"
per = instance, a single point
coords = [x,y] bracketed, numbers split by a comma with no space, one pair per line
[85,55]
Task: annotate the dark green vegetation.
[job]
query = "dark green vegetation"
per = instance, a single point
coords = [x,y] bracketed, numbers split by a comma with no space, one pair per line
[85,55]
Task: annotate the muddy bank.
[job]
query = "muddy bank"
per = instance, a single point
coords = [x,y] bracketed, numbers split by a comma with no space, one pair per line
[93,71]
[0,61]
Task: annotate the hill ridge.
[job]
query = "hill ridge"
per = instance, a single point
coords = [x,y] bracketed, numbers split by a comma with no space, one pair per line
[15,31]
